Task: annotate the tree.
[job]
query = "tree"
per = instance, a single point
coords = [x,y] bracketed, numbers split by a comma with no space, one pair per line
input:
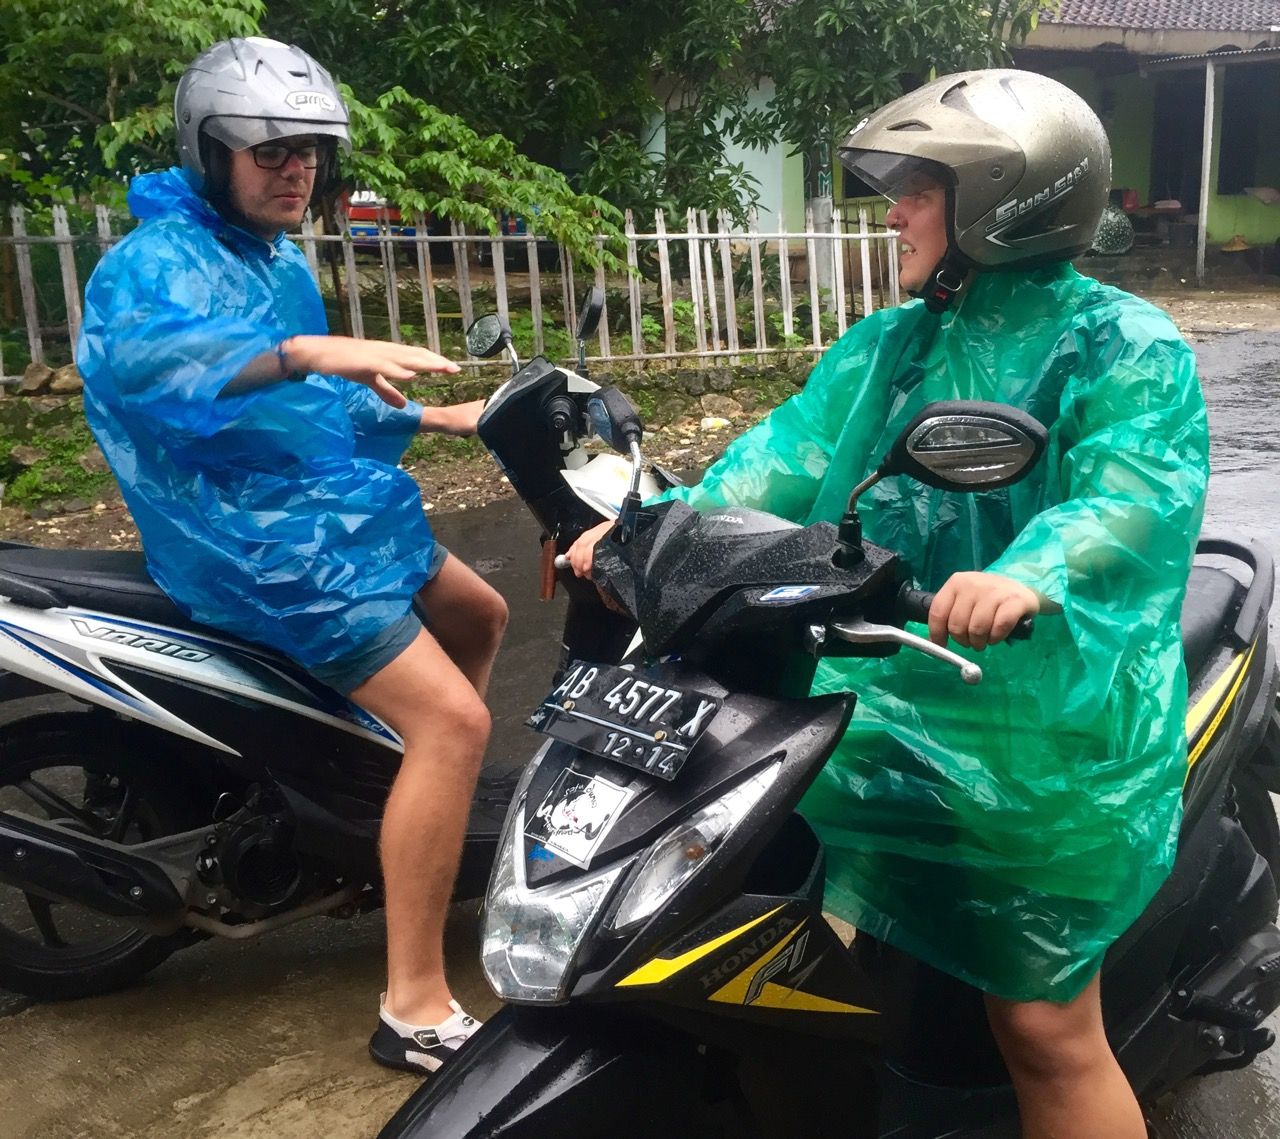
[460,95]
[86,90]
[87,97]
[575,85]
[834,61]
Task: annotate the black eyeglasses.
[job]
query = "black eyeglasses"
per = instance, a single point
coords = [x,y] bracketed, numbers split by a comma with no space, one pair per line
[273,155]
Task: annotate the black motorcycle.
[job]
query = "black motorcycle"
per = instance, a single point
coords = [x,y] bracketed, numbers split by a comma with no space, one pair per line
[654,922]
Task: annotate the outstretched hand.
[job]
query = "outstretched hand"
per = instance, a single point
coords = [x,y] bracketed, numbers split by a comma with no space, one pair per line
[378,364]
[979,609]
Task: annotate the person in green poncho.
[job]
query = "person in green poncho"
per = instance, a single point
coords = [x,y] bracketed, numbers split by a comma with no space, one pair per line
[1006,834]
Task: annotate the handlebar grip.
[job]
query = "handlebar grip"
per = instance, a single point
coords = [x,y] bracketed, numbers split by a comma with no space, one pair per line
[913,605]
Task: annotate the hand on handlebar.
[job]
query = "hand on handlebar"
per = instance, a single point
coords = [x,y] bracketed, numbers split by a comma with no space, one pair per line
[583,551]
[374,363]
[979,609]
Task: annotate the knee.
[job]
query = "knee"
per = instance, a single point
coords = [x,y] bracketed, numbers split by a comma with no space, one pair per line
[469,722]
[1041,1040]
[497,615]
[455,723]
[490,616]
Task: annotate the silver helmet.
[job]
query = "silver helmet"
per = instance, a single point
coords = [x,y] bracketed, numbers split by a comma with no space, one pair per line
[243,92]
[1025,160]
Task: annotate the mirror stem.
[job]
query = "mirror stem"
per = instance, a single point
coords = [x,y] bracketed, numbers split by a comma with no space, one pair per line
[630,507]
[849,553]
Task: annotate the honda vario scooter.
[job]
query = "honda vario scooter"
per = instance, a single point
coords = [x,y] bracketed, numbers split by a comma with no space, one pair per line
[654,922]
[161,782]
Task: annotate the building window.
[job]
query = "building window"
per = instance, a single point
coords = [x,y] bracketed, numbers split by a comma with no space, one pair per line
[1247,89]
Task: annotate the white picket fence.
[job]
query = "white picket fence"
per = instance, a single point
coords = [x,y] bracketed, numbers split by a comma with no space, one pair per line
[722,293]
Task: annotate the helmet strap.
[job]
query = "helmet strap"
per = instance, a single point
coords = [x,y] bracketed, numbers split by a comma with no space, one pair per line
[945,281]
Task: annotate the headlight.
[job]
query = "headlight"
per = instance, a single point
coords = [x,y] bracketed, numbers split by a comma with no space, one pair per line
[681,852]
[532,936]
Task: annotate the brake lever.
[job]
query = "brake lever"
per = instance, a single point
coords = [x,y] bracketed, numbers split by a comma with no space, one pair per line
[860,632]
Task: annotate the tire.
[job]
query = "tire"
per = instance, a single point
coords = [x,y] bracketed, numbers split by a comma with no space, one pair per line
[92,779]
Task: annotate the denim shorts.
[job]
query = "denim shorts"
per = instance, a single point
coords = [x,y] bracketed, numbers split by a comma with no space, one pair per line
[349,671]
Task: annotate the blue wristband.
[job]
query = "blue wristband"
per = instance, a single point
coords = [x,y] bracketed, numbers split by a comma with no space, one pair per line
[287,373]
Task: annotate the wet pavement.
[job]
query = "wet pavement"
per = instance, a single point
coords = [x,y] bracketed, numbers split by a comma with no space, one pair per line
[266,1039]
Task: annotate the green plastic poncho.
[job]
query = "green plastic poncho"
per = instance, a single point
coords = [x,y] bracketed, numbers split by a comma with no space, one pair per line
[1007,833]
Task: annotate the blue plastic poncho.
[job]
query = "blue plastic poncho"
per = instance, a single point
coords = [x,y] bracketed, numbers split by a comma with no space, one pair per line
[1007,833]
[277,514]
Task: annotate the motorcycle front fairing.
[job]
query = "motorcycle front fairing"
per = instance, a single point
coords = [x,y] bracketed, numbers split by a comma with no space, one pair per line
[565,1072]
[739,955]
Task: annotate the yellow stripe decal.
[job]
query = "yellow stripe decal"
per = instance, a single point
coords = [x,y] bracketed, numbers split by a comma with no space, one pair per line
[1239,670]
[774,995]
[660,968]
[1205,705]
[735,991]
[779,996]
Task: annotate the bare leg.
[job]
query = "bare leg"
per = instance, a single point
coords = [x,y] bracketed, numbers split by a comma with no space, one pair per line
[432,695]
[445,727]
[468,618]
[1066,1078]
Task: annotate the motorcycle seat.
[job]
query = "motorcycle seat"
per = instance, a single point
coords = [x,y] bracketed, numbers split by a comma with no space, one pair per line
[1212,602]
[109,581]
[116,581]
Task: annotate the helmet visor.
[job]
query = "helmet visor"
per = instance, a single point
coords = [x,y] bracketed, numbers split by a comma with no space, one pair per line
[895,175]
[240,133]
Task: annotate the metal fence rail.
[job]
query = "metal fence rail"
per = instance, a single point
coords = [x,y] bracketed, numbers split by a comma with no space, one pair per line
[708,293]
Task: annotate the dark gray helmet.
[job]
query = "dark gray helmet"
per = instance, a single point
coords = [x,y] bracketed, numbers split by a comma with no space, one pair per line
[1026,162]
[246,91]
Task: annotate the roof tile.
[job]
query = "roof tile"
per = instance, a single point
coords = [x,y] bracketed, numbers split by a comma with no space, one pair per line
[1165,15]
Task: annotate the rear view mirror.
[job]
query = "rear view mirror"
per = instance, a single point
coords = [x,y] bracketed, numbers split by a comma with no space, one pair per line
[962,445]
[966,445]
[487,336]
[589,316]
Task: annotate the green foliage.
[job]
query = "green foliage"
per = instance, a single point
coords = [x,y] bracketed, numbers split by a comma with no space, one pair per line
[778,334]
[556,341]
[436,448]
[63,436]
[427,161]
[833,61]
[105,72]
[458,101]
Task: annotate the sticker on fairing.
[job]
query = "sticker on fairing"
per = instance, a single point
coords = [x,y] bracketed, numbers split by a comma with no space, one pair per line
[790,593]
[576,815]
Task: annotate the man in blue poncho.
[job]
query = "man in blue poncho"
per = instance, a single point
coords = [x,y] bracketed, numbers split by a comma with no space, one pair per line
[258,454]
[1009,834]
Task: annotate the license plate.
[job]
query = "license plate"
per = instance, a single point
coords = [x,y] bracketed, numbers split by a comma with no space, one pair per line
[616,714]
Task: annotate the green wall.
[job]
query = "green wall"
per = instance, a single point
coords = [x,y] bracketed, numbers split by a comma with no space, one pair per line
[1124,104]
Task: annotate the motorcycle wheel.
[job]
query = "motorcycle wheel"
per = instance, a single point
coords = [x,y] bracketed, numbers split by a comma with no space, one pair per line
[84,779]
